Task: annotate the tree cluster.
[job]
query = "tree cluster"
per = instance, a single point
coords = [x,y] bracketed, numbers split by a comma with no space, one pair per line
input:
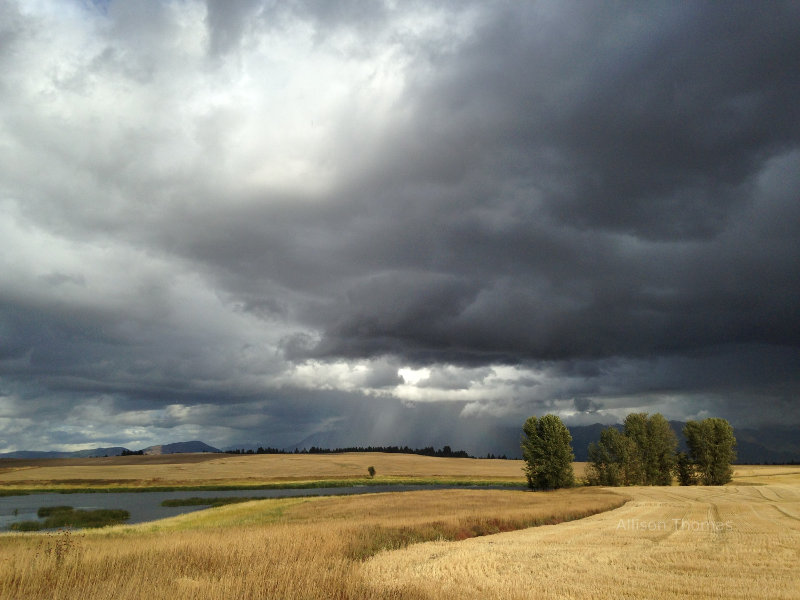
[645,453]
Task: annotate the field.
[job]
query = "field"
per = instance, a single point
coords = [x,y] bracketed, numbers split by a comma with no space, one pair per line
[192,470]
[737,541]
[291,548]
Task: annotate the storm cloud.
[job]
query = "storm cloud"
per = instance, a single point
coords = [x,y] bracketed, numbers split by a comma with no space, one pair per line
[400,223]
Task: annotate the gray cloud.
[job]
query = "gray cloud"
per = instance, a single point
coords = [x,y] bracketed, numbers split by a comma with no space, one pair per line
[261,215]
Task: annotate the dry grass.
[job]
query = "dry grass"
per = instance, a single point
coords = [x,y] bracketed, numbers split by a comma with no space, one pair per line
[659,545]
[766,474]
[291,548]
[215,469]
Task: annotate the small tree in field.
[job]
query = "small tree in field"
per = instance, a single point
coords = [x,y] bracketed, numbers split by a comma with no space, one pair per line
[547,450]
[371,471]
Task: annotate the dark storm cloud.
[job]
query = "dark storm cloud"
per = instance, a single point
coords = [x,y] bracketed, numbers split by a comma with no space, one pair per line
[606,184]
[244,219]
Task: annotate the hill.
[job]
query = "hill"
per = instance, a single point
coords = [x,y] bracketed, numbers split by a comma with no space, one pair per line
[181,448]
[174,448]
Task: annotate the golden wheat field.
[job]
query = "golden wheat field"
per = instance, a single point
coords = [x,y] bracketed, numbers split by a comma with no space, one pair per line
[210,469]
[736,541]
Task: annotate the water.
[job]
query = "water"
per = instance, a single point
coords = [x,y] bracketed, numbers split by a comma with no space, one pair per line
[146,506]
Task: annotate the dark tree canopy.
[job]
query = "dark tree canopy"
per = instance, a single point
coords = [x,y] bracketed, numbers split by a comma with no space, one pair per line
[613,460]
[547,451]
[655,447]
[642,454]
[711,450]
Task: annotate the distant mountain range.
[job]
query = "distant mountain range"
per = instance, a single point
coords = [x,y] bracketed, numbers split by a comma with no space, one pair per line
[176,448]
[754,445]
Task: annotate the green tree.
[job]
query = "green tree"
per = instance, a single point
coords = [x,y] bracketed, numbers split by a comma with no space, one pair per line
[660,460]
[655,447]
[711,449]
[614,460]
[547,450]
[684,469]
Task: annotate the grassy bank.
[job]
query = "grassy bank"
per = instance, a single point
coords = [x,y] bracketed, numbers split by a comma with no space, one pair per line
[92,487]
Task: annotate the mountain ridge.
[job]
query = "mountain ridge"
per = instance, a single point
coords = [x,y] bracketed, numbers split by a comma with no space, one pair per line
[173,448]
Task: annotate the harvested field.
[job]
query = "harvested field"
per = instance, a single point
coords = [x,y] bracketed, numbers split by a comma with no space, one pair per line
[766,474]
[697,542]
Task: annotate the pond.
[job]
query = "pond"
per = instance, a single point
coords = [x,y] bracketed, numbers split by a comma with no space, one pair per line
[146,506]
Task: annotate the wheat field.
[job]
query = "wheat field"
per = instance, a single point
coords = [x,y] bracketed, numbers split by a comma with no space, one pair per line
[211,469]
[697,542]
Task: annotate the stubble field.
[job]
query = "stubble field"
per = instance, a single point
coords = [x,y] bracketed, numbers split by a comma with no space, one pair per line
[737,541]
[697,542]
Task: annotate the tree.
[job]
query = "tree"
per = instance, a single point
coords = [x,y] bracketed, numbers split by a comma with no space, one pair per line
[660,460]
[614,460]
[655,447]
[547,450]
[371,471]
[642,454]
[711,449]
[685,469]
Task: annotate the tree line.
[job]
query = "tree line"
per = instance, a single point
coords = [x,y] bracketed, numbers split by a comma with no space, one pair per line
[445,452]
[645,452]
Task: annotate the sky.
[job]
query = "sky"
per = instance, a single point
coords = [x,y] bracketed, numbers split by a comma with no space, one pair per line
[252,222]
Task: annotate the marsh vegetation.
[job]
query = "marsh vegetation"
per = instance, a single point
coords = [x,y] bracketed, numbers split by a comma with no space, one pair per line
[66,516]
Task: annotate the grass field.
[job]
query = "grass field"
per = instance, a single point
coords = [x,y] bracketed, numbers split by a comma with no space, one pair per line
[737,541]
[192,470]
